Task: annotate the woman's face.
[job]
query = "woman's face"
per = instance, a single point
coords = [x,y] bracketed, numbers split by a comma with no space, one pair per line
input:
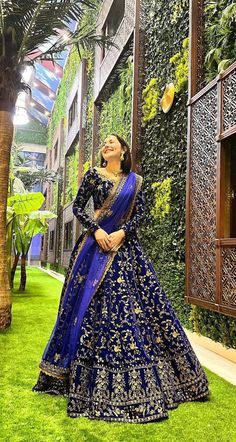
[111,149]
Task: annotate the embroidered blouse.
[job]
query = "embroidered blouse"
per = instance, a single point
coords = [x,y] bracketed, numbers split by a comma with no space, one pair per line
[98,186]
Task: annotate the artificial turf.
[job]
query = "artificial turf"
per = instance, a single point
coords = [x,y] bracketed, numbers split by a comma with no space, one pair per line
[32,417]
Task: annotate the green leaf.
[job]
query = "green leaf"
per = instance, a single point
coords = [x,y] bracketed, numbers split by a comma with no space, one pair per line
[18,186]
[224,64]
[26,203]
[42,215]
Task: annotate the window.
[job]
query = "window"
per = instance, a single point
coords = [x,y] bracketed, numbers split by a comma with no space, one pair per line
[50,159]
[51,240]
[228,188]
[55,150]
[113,21]
[68,236]
[72,112]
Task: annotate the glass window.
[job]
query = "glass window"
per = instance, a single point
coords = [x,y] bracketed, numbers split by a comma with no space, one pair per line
[72,112]
[55,150]
[68,236]
[51,240]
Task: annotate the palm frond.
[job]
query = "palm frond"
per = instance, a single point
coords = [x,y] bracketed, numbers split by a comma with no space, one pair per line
[28,26]
[83,38]
[35,21]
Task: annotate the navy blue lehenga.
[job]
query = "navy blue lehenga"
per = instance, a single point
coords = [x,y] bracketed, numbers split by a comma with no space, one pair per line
[126,357]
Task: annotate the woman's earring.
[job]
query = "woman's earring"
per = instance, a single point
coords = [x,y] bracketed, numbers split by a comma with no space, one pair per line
[122,156]
[104,163]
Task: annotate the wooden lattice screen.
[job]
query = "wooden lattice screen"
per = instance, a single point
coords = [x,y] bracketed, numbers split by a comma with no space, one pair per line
[211,182]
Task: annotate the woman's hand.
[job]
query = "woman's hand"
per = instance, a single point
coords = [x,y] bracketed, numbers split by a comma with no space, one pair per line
[116,238]
[103,239]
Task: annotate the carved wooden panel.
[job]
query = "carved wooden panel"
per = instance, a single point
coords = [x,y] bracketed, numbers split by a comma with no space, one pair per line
[229,106]
[211,245]
[228,278]
[203,163]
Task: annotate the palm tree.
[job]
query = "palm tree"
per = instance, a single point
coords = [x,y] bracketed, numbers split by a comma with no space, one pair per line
[25,25]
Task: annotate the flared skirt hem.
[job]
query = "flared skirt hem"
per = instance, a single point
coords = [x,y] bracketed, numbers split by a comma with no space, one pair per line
[78,406]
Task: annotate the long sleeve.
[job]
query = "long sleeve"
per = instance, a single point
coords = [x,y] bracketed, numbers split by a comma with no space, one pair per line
[137,215]
[83,195]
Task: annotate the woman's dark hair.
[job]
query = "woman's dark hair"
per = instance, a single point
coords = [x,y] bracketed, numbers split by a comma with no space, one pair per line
[127,162]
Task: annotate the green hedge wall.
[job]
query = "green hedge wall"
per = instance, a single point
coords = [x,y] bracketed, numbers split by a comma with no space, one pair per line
[33,132]
[164,143]
[115,115]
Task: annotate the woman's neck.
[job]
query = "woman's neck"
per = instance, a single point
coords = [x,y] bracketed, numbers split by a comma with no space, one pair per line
[113,166]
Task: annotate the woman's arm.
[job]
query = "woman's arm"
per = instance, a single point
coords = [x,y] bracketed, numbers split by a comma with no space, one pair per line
[137,215]
[84,193]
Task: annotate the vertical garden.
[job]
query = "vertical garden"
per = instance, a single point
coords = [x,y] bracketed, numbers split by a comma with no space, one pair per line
[164,135]
[164,144]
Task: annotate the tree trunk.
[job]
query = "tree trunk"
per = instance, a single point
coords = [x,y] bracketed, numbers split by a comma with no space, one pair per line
[23,273]
[13,270]
[6,136]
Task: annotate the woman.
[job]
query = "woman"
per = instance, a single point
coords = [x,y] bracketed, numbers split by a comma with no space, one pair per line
[117,350]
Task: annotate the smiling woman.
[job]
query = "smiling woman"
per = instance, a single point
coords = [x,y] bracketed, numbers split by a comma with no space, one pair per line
[117,350]
[119,157]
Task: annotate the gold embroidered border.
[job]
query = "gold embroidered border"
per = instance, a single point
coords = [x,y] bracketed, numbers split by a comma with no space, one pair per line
[153,364]
[139,419]
[120,419]
[140,400]
[53,370]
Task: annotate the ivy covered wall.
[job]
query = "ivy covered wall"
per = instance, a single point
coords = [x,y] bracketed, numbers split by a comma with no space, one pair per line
[164,144]
[72,176]
[60,106]
[115,114]
[71,69]
[33,132]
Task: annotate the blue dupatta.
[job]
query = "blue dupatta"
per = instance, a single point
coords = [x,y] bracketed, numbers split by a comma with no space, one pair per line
[90,266]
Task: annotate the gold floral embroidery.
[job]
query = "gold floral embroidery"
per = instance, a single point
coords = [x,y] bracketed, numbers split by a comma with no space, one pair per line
[120,280]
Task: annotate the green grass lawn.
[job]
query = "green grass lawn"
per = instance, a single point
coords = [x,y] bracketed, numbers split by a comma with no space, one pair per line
[30,416]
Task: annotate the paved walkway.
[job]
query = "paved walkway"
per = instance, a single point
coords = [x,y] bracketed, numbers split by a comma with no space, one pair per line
[217,363]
